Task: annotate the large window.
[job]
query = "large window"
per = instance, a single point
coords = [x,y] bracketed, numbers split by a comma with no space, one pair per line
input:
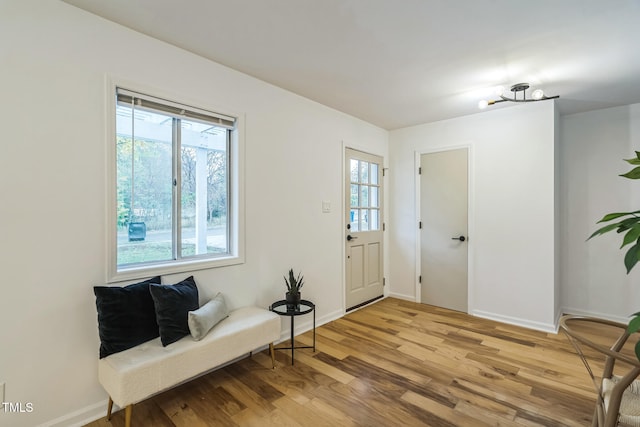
[173,186]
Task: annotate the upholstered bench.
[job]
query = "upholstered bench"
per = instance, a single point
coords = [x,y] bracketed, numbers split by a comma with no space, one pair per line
[137,373]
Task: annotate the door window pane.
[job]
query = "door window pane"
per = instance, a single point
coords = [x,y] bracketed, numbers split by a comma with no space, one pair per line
[364,220]
[354,195]
[355,220]
[373,197]
[354,170]
[374,223]
[364,195]
[374,173]
[364,172]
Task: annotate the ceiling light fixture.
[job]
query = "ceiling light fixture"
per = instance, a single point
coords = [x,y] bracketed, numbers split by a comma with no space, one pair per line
[536,95]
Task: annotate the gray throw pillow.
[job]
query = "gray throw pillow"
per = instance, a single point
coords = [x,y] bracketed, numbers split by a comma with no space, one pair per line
[206,317]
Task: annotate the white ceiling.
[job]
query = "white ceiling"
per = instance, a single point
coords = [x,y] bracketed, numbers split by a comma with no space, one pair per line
[396,63]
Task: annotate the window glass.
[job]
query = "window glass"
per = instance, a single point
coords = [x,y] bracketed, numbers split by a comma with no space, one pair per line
[144,188]
[364,220]
[355,168]
[204,189]
[354,195]
[374,173]
[373,199]
[364,198]
[374,222]
[355,220]
[364,172]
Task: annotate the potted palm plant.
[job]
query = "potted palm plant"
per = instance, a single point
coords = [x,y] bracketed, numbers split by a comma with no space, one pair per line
[294,284]
[629,224]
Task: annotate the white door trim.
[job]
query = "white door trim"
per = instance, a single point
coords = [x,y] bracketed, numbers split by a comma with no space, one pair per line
[470,219]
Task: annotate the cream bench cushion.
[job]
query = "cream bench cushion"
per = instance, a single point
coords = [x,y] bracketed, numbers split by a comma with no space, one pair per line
[135,374]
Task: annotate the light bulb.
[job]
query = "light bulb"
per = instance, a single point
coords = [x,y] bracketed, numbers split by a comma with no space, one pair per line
[498,90]
[537,94]
[482,104]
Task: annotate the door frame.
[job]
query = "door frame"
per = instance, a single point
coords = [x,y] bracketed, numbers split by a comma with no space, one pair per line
[470,220]
[347,145]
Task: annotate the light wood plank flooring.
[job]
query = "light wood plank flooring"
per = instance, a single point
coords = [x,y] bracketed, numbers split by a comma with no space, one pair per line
[394,363]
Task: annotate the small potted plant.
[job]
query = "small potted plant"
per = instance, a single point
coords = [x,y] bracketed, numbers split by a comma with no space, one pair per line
[294,284]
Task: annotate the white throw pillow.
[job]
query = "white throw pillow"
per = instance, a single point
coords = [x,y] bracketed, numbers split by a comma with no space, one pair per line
[206,317]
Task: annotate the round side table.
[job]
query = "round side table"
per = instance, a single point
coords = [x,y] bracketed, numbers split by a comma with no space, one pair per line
[305,307]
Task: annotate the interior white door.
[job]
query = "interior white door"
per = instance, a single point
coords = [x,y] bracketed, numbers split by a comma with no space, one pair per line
[444,224]
[363,234]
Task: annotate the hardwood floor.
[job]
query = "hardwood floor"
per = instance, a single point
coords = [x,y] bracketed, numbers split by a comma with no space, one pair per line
[394,363]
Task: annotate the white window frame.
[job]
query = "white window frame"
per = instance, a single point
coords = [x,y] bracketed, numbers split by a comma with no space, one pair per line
[236,194]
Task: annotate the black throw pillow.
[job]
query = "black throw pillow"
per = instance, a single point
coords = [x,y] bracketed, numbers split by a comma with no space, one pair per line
[173,303]
[126,316]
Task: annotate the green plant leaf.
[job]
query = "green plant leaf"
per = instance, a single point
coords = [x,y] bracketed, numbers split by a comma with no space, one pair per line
[631,258]
[609,217]
[294,284]
[632,174]
[634,324]
[631,236]
[635,161]
[638,350]
[628,224]
[605,229]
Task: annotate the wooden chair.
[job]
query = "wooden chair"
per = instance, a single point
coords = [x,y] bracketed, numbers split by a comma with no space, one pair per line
[618,389]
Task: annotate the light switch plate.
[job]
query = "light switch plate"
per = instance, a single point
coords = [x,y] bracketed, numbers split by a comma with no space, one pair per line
[326,206]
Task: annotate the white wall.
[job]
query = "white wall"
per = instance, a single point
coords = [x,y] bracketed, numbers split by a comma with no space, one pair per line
[594,279]
[512,194]
[54,60]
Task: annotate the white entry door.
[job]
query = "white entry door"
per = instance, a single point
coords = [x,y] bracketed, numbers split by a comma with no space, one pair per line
[443,233]
[363,234]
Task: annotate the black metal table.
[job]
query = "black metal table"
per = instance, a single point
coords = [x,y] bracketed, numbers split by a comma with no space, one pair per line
[305,307]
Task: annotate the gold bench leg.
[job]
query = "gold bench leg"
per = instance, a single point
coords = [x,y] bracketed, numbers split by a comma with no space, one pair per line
[127,415]
[109,409]
[273,355]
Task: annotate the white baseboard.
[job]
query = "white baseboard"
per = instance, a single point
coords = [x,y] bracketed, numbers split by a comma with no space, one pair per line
[330,317]
[411,298]
[619,319]
[539,326]
[80,417]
